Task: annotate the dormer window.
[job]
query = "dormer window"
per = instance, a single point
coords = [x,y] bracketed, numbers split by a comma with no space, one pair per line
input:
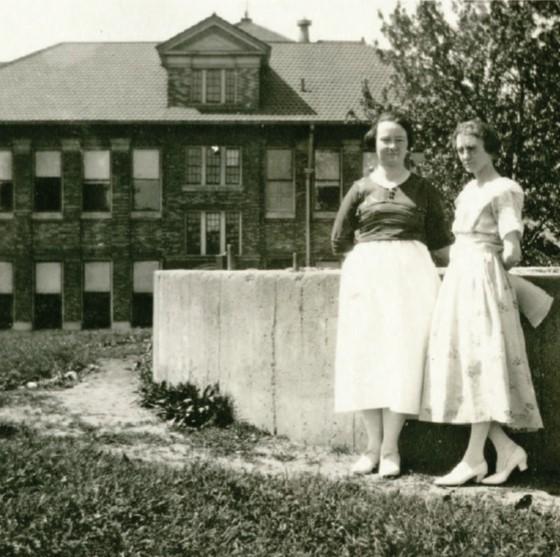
[214,67]
[214,86]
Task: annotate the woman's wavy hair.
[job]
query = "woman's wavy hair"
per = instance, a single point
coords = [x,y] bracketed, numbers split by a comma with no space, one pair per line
[390,116]
[482,130]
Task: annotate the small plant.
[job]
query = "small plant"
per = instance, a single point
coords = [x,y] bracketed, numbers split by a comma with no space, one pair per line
[183,405]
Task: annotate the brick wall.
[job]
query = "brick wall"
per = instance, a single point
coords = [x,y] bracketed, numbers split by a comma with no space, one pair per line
[123,238]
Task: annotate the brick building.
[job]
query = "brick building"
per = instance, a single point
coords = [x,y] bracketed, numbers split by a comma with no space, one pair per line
[120,158]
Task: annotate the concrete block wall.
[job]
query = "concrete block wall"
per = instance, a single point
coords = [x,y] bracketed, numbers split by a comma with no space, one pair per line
[268,339]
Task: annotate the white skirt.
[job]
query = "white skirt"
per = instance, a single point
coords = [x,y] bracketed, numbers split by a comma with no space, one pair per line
[387,293]
[477,370]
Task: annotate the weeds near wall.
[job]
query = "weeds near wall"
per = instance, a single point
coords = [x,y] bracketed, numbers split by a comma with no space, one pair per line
[184,405]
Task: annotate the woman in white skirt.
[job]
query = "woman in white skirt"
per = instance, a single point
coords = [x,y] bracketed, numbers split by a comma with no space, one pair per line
[386,225]
[477,371]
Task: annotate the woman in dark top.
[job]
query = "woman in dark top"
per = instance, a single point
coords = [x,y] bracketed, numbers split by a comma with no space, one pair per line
[386,225]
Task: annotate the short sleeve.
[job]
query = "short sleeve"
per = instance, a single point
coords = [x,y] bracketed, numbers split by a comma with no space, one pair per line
[438,232]
[507,207]
[346,221]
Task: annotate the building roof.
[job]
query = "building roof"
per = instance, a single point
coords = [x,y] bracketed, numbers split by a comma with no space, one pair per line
[262,33]
[125,82]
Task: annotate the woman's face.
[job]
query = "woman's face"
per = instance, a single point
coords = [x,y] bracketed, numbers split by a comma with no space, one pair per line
[472,153]
[391,144]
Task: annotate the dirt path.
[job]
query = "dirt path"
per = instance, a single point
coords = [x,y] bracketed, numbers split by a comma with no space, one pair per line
[104,405]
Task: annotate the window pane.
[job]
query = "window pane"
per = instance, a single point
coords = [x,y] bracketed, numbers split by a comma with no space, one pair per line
[48,278]
[213,86]
[142,310]
[213,233]
[47,311]
[196,87]
[48,194]
[143,275]
[145,164]
[327,197]
[6,278]
[97,276]
[327,165]
[6,196]
[147,195]
[230,86]
[6,165]
[97,310]
[213,165]
[97,165]
[47,164]
[6,311]
[233,231]
[280,197]
[194,165]
[279,164]
[96,197]
[193,233]
[233,160]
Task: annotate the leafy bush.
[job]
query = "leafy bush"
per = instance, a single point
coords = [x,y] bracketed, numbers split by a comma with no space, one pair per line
[41,355]
[183,405]
[64,497]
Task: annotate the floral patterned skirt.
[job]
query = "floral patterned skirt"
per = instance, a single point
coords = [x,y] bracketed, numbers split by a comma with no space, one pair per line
[387,293]
[477,368]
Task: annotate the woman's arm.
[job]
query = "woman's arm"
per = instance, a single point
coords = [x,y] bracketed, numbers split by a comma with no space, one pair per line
[511,255]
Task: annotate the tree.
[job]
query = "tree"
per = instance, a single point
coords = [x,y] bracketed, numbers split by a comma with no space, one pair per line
[498,61]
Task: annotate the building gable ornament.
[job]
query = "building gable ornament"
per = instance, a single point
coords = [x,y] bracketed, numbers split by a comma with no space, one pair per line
[212,37]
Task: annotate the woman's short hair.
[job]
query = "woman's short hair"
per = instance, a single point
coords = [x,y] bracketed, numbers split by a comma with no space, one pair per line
[390,116]
[482,130]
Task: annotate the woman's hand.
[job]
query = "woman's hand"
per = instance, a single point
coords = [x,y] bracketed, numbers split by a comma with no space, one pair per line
[441,256]
[511,255]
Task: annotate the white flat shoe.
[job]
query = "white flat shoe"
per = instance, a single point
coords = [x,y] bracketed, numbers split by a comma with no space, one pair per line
[390,465]
[517,459]
[366,464]
[463,473]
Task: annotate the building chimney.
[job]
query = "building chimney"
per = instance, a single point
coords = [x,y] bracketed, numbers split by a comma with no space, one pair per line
[304,25]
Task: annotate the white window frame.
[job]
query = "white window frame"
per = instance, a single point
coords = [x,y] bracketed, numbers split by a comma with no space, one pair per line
[107,181]
[292,181]
[7,285]
[223,78]
[136,288]
[223,162]
[138,213]
[322,213]
[202,230]
[8,180]
[45,215]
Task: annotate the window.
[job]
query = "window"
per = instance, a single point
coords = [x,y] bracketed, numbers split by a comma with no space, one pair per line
[47,312]
[147,184]
[6,295]
[6,183]
[214,86]
[97,181]
[48,182]
[143,289]
[97,295]
[280,191]
[327,180]
[209,232]
[213,166]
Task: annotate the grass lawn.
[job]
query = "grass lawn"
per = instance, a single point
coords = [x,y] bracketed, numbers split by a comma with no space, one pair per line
[67,496]
[43,355]
[64,497]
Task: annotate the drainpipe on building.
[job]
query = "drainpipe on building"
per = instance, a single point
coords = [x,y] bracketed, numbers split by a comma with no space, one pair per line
[308,179]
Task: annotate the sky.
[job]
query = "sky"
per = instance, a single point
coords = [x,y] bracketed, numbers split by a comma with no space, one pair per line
[30,25]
